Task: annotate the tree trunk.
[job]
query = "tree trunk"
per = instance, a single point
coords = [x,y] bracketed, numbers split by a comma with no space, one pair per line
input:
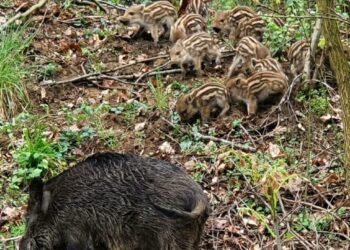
[341,69]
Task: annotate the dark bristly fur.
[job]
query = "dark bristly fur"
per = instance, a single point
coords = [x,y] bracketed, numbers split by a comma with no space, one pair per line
[115,201]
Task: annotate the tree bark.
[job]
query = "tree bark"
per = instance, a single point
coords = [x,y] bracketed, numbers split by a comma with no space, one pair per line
[341,69]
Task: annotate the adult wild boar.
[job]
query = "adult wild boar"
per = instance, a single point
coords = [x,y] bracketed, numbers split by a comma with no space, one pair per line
[116,202]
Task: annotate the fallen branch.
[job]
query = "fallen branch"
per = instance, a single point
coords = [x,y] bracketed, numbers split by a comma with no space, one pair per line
[94,74]
[212,138]
[116,6]
[16,238]
[337,18]
[136,62]
[24,14]
[232,144]
[6,7]
[151,71]
[315,38]
[89,2]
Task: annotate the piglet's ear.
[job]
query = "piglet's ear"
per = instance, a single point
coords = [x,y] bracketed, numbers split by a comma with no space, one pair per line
[189,99]
[254,61]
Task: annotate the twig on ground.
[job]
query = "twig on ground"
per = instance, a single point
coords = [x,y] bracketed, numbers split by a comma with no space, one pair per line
[86,76]
[337,234]
[72,20]
[322,196]
[304,242]
[308,17]
[151,71]
[6,7]
[310,57]
[99,5]
[232,144]
[116,6]
[286,96]
[316,207]
[211,138]
[35,7]
[136,62]
[16,238]
[117,79]
[89,2]
[249,136]
[268,8]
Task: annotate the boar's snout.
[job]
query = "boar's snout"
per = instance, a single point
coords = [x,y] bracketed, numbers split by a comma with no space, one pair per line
[216,29]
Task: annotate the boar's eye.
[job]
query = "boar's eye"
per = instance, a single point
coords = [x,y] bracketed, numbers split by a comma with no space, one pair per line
[222,20]
[131,13]
[177,53]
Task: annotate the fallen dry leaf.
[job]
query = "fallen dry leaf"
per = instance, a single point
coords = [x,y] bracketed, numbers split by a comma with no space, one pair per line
[279,130]
[140,126]
[294,185]
[274,150]
[43,93]
[166,148]
[221,223]
[190,165]
[250,221]
[301,127]
[10,213]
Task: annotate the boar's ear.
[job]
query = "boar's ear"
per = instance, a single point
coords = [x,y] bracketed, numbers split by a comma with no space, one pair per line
[36,189]
[35,195]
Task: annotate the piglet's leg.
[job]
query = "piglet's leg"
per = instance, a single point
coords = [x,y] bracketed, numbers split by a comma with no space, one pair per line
[198,65]
[252,105]
[205,112]
[224,110]
[155,32]
[231,71]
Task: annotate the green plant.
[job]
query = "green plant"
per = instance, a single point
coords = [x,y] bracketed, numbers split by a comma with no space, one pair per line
[198,177]
[316,99]
[13,91]
[67,4]
[129,109]
[307,221]
[223,5]
[50,69]
[37,156]
[18,229]
[175,85]
[277,37]
[160,95]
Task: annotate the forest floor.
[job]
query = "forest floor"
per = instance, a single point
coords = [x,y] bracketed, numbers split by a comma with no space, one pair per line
[275,177]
